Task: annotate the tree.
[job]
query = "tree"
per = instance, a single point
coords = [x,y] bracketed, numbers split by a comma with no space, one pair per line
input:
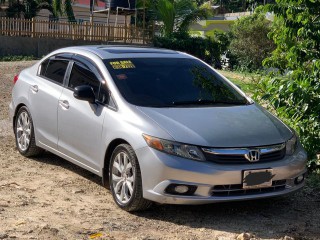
[250,43]
[61,7]
[29,8]
[240,5]
[294,90]
[206,49]
[177,15]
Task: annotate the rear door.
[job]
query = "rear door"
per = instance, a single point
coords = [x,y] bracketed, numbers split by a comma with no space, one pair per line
[45,91]
[80,123]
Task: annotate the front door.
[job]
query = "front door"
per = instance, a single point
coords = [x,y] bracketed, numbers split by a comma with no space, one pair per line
[80,123]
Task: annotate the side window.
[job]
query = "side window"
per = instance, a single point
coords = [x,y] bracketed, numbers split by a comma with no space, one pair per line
[81,75]
[43,67]
[105,98]
[55,70]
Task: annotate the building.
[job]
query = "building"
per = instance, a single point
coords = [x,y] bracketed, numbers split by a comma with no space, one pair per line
[220,22]
[81,9]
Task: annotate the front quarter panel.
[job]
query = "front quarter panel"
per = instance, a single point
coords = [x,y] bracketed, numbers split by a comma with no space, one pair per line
[127,124]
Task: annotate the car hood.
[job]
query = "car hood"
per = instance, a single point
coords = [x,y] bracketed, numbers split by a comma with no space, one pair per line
[230,126]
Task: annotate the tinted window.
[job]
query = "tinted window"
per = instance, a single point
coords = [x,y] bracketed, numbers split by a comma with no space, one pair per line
[43,67]
[163,82]
[56,70]
[81,75]
[105,97]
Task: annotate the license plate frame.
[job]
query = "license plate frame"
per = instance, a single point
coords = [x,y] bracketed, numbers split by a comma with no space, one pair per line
[257,178]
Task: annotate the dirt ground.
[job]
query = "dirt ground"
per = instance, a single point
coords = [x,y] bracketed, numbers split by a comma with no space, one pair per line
[50,198]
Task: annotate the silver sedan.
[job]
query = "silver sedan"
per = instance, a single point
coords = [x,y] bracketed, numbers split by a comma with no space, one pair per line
[156,125]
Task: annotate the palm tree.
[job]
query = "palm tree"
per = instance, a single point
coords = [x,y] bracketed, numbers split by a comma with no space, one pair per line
[177,15]
[29,8]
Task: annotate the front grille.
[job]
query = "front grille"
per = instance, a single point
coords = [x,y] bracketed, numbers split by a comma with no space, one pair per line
[237,190]
[240,159]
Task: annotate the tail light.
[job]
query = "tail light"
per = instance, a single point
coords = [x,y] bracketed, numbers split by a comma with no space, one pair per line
[15,79]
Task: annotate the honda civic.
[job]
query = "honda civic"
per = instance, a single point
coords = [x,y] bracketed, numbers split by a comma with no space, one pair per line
[156,125]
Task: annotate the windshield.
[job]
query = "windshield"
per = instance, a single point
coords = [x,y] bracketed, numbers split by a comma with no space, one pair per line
[171,82]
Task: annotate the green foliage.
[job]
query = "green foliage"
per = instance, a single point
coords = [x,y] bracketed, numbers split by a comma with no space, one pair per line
[61,7]
[245,80]
[313,181]
[240,5]
[221,38]
[294,89]
[200,2]
[69,10]
[177,15]
[29,8]
[233,5]
[13,58]
[204,48]
[250,43]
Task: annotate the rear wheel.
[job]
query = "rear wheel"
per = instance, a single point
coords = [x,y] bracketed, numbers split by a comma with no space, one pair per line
[24,134]
[125,180]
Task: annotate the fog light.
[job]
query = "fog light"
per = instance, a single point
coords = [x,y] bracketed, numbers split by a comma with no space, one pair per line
[299,179]
[181,189]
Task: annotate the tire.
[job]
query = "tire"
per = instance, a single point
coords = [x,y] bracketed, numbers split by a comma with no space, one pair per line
[24,134]
[125,180]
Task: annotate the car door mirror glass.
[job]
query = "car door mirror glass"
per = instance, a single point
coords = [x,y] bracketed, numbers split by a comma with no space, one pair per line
[84,93]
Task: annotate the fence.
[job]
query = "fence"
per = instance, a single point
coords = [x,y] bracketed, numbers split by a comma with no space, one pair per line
[76,31]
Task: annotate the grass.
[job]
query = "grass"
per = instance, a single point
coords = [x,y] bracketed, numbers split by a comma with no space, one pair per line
[246,81]
[210,22]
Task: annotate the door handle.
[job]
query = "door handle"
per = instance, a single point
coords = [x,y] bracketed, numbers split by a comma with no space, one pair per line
[35,88]
[64,104]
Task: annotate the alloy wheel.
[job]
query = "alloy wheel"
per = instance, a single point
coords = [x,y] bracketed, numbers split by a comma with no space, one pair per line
[23,131]
[123,177]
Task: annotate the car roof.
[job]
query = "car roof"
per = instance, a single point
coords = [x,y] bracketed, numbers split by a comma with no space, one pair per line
[121,51]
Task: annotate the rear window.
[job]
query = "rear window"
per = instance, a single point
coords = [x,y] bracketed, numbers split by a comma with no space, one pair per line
[169,82]
[54,70]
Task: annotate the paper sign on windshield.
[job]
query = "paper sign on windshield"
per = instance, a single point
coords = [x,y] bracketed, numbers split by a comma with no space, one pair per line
[125,64]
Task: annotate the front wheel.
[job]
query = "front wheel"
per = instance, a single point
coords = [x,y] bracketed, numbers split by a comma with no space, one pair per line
[125,180]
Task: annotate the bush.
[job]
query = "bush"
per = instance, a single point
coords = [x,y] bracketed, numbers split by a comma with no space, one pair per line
[221,38]
[250,44]
[293,90]
[12,58]
[204,48]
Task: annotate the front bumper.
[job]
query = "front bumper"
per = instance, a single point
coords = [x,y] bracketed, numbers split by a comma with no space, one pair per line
[159,170]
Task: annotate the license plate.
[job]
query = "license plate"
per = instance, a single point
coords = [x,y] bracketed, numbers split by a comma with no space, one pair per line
[261,178]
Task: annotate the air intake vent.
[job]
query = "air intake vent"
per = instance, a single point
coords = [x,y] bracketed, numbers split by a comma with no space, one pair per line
[237,190]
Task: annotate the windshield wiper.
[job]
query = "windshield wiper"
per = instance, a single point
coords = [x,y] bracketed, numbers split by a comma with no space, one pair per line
[209,102]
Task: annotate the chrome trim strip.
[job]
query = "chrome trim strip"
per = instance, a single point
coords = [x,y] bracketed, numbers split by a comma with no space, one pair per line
[243,151]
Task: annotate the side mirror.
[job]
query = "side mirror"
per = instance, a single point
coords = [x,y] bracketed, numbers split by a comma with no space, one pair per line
[84,93]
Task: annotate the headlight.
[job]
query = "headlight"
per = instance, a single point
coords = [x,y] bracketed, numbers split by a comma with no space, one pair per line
[291,145]
[175,148]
